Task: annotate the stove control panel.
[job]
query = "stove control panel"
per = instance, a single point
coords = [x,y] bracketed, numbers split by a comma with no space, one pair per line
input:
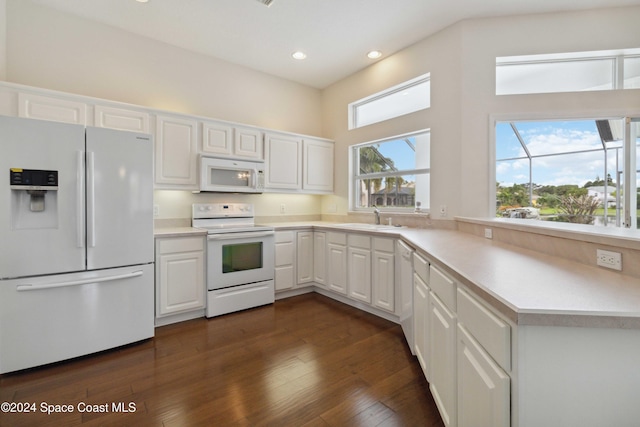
[222,210]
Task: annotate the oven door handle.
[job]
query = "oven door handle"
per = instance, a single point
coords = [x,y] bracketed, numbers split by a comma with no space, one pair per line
[234,236]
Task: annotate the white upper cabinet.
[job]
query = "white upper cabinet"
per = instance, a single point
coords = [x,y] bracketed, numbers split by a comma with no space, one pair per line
[53,109]
[223,139]
[217,138]
[318,165]
[283,162]
[248,143]
[122,119]
[176,153]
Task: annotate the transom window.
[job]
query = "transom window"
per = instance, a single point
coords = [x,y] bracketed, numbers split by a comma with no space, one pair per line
[392,173]
[405,98]
[568,72]
[574,171]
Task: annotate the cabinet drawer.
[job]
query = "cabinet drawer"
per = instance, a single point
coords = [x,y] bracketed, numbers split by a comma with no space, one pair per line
[283,236]
[421,267]
[181,244]
[384,245]
[489,330]
[337,238]
[443,286]
[359,241]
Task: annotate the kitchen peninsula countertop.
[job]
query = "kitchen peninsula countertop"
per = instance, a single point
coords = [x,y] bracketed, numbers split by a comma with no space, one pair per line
[528,287]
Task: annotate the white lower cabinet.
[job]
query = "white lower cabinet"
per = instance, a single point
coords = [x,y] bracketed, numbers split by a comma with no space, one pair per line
[483,387]
[383,277]
[320,258]
[285,258]
[421,323]
[180,267]
[304,255]
[294,266]
[359,266]
[442,359]
[337,262]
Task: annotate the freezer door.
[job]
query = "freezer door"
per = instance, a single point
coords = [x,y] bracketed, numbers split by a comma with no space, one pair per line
[119,198]
[51,318]
[41,234]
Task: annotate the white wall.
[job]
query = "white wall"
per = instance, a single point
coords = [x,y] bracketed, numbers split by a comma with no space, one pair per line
[3,39]
[461,60]
[50,49]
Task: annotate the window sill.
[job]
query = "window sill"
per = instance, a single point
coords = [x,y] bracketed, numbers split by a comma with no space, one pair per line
[611,236]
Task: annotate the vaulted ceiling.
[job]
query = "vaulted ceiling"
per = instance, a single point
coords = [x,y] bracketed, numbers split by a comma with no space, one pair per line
[335,35]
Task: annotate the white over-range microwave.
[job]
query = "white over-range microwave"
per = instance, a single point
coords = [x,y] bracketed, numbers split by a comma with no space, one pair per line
[231,176]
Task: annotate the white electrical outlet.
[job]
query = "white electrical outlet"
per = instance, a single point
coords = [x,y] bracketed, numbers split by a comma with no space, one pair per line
[283,208]
[488,233]
[609,259]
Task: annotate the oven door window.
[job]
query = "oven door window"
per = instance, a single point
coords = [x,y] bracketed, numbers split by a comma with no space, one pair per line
[229,177]
[241,257]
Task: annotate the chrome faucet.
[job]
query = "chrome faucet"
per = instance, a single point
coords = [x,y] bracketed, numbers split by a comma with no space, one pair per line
[376,212]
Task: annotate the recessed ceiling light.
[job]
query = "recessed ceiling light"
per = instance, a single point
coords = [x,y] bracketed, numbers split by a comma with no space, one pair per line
[142,1]
[299,55]
[374,54]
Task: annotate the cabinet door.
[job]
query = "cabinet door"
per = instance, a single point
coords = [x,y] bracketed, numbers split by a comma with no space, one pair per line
[305,257]
[421,323]
[181,286]
[483,387]
[285,255]
[121,119]
[176,153]
[442,359]
[337,268]
[217,138]
[53,109]
[318,165]
[249,143]
[384,280]
[283,162]
[320,258]
[360,274]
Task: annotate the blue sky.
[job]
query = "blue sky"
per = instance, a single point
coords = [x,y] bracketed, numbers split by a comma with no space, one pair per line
[552,137]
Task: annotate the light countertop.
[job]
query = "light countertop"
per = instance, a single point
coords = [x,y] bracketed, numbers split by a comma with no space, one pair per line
[528,287]
[178,231]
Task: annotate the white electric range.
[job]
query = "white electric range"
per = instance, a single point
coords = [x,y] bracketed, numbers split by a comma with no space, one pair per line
[240,257]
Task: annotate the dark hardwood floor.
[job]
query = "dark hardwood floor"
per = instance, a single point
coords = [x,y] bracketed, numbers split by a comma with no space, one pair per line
[303,361]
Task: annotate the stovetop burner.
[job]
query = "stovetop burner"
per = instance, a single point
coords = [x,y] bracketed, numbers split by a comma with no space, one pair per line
[219,218]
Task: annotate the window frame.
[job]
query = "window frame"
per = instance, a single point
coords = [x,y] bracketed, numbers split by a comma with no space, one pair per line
[617,57]
[494,119]
[354,106]
[355,178]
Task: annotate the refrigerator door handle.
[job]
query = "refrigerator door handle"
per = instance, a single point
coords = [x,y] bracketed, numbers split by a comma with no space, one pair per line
[29,287]
[91,200]
[80,199]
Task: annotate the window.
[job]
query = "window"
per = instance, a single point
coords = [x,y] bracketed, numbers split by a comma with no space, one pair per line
[405,98]
[568,72]
[576,171]
[391,173]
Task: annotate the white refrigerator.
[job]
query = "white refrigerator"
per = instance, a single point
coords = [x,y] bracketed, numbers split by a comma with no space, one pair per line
[76,241]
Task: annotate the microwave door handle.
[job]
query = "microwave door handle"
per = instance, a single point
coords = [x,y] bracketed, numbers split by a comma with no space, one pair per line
[254,178]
